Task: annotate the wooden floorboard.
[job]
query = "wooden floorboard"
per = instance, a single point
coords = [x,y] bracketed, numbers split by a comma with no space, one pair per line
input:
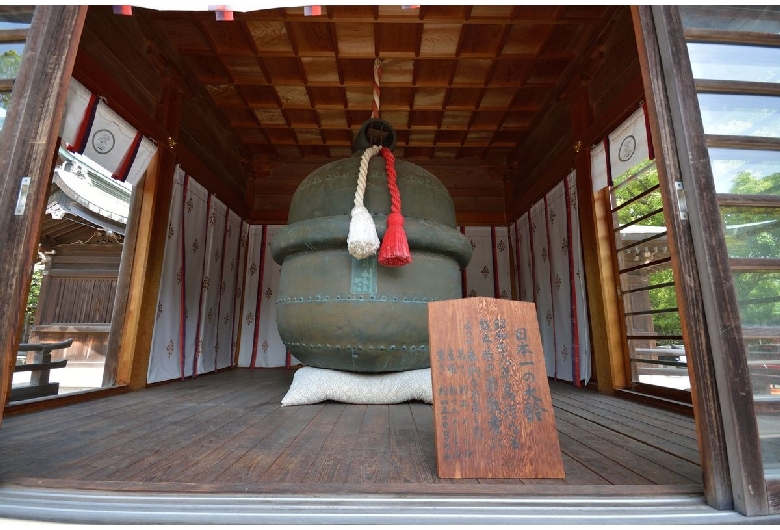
[229,430]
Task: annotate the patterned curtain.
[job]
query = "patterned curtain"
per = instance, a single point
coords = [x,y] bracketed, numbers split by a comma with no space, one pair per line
[523,262]
[550,272]
[195,229]
[488,272]
[261,345]
[199,275]
[231,290]
[91,128]
[543,282]
[165,357]
[578,283]
[208,315]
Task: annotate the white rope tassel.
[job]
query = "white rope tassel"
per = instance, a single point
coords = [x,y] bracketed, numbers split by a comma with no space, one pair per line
[362,240]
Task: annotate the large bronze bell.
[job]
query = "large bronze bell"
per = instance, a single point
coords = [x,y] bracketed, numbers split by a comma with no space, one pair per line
[341,313]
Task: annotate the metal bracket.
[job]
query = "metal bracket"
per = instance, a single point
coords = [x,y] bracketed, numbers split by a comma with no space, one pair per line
[21,200]
[681,203]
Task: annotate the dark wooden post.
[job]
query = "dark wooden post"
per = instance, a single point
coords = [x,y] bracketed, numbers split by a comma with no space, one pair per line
[136,340]
[725,421]
[27,145]
[607,338]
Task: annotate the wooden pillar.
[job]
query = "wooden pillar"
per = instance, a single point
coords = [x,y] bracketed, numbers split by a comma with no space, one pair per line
[123,325]
[27,144]
[596,233]
[134,343]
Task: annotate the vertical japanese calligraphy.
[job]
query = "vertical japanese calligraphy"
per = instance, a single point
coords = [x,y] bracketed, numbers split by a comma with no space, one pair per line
[492,408]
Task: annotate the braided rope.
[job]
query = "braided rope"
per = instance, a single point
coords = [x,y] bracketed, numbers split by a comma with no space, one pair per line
[377,76]
[363,173]
[394,251]
[362,240]
[392,183]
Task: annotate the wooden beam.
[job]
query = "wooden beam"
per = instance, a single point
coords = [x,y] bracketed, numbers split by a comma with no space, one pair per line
[27,144]
[721,312]
[135,346]
[123,325]
[613,365]
[14,35]
[607,338]
[704,389]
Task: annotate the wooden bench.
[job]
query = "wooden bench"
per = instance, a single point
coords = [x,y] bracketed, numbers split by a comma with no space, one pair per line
[40,368]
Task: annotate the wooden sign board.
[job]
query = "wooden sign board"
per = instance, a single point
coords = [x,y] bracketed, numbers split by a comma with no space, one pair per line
[493,414]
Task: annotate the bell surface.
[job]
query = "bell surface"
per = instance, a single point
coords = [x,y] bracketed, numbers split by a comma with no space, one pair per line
[337,312]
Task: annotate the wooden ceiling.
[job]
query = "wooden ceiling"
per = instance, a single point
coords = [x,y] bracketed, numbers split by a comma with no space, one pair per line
[477,94]
[457,81]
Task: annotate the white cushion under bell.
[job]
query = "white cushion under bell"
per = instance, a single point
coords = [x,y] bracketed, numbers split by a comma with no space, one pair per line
[314,385]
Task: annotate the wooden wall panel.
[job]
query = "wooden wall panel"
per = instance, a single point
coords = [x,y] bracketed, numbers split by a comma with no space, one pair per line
[476,190]
[620,65]
[610,74]
[126,59]
[89,342]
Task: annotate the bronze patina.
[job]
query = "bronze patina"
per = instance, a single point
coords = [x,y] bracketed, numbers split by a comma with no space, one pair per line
[341,313]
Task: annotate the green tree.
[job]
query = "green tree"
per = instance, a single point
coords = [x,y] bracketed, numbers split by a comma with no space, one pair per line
[9,68]
[755,233]
[640,207]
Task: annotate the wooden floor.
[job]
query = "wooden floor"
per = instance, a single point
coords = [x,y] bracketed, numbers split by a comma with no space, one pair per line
[229,429]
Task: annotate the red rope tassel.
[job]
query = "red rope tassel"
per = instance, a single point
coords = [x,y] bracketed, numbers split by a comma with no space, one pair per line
[394,251]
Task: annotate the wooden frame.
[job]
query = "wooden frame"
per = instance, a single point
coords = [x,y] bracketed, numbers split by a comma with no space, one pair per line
[723,451]
[27,145]
[728,437]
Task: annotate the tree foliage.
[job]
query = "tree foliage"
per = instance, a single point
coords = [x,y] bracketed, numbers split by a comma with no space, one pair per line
[634,183]
[755,233]
[9,68]
[750,233]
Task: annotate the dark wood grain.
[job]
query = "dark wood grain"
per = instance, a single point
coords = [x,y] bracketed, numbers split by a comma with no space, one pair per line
[229,429]
[27,146]
[706,402]
[721,312]
[492,407]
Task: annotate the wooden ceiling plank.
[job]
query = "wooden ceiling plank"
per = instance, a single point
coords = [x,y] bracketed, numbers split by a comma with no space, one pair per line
[269,37]
[352,38]
[321,71]
[437,40]
[452,75]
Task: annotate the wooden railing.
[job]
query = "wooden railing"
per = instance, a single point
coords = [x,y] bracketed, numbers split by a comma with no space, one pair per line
[40,368]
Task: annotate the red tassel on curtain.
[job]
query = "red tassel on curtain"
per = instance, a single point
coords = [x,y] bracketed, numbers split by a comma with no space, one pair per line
[394,251]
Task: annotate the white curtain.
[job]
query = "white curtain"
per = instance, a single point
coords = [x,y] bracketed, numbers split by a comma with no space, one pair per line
[542,281]
[628,144]
[560,289]
[196,309]
[195,231]
[208,315]
[524,265]
[624,148]
[253,272]
[261,345]
[165,356]
[231,290]
[488,271]
[550,271]
[583,350]
[599,174]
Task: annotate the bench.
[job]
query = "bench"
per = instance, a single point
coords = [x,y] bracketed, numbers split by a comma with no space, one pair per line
[40,369]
